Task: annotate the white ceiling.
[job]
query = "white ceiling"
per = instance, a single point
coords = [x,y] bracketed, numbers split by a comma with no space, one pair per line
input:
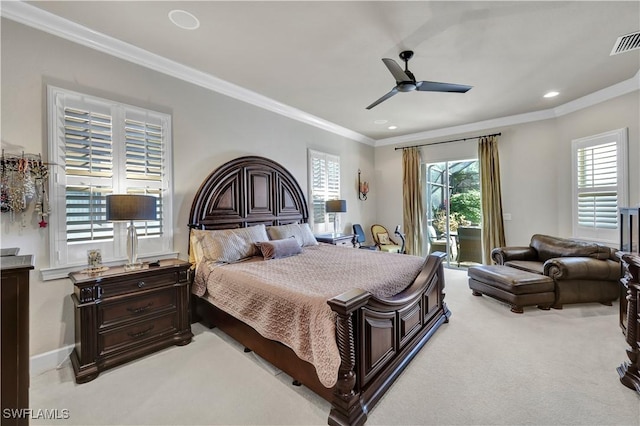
[324,57]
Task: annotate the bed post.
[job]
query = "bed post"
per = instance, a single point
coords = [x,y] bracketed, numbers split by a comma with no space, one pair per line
[346,407]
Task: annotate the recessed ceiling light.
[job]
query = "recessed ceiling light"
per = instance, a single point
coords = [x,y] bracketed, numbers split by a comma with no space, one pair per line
[184,19]
[551,94]
[381,121]
[392,127]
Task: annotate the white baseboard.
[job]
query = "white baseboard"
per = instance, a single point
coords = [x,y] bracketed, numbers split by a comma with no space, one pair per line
[40,363]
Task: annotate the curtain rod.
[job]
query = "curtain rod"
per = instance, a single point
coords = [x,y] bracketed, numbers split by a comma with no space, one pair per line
[453,140]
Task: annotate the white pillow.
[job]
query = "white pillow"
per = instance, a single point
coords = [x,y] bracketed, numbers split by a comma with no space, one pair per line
[226,245]
[300,231]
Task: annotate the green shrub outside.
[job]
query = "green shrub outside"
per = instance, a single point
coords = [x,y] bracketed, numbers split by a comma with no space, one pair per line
[467,204]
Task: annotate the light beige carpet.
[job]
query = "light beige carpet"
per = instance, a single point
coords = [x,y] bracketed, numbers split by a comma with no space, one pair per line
[487,366]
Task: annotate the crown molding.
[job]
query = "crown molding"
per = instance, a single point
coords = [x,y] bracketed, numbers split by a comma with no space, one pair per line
[467,128]
[32,16]
[600,96]
[45,21]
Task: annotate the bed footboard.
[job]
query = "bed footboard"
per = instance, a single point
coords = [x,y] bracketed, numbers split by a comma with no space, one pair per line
[377,338]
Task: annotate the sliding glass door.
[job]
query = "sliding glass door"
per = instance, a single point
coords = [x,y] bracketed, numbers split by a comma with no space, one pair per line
[453,211]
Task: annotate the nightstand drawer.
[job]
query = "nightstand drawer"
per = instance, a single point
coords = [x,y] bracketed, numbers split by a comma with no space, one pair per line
[135,307]
[139,332]
[344,243]
[143,282]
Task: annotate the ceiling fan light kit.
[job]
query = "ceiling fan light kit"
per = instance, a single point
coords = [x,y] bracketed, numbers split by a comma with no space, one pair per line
[406,81]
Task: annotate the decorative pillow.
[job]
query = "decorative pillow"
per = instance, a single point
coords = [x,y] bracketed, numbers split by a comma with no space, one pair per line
[301,232]
[277,249]
[226,245]
[383,238]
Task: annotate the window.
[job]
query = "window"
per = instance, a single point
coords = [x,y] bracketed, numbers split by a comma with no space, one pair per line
[101,147]
[599,185]
[324,180]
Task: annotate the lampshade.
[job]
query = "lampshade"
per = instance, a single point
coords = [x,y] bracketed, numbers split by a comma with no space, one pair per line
[336,206]
[131,207]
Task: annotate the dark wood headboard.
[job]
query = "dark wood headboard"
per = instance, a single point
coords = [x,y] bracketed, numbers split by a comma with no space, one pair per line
[248,191]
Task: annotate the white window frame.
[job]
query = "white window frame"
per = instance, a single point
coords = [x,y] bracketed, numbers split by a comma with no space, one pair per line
[323,190]
[604,234]
[65,257]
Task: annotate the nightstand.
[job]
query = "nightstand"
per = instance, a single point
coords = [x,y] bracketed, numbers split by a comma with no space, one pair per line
[343,240]
[123,315]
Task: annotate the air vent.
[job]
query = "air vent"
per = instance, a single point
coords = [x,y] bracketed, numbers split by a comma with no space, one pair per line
[626,43]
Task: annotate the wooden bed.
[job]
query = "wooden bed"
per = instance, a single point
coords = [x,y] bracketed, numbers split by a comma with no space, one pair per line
[376,337]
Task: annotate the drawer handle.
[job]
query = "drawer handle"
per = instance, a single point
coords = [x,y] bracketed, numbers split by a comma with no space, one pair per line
[140,284]
[140,333]
[140,309]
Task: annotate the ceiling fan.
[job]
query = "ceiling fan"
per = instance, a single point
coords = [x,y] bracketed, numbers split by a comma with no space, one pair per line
[406,82]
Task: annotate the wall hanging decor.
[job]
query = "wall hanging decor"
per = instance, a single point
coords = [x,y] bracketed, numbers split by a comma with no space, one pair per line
[363,188]
[24,180]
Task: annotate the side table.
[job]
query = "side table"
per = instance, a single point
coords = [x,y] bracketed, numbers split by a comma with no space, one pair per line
[343,240]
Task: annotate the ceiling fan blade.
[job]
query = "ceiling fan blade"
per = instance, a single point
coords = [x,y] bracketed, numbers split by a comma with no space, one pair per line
[384,98]
[434,86]
[396,70]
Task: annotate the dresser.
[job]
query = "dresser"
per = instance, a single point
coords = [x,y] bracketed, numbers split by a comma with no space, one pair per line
[14,323]
[122,315]
[343,240]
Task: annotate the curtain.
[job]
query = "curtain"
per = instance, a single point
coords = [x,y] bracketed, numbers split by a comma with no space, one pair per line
[492,224]
[413,210]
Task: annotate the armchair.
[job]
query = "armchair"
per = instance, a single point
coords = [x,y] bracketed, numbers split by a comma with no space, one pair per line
[470,241]
[582,271]
[383,241]
[440,244]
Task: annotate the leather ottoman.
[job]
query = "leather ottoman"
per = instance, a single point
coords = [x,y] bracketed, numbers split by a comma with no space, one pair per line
[512,286]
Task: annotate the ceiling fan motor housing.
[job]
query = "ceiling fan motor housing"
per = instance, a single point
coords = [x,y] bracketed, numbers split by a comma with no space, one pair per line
[406,55]
[406,86]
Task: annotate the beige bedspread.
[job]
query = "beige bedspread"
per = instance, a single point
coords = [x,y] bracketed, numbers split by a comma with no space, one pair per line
[286,299]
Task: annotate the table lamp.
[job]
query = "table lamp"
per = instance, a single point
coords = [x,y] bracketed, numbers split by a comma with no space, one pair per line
[335,207]
[129,207]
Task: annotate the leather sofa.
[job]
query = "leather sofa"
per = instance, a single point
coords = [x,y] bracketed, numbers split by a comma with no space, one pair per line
[582,271]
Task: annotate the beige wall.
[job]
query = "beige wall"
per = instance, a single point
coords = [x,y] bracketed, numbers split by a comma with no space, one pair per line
[618,113]
[535,165]
[208,130]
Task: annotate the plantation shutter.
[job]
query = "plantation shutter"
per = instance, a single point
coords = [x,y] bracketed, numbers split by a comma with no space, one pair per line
[598,186]
[144,166]
[88,147]
[318,188]
[333,178]
[325,185]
